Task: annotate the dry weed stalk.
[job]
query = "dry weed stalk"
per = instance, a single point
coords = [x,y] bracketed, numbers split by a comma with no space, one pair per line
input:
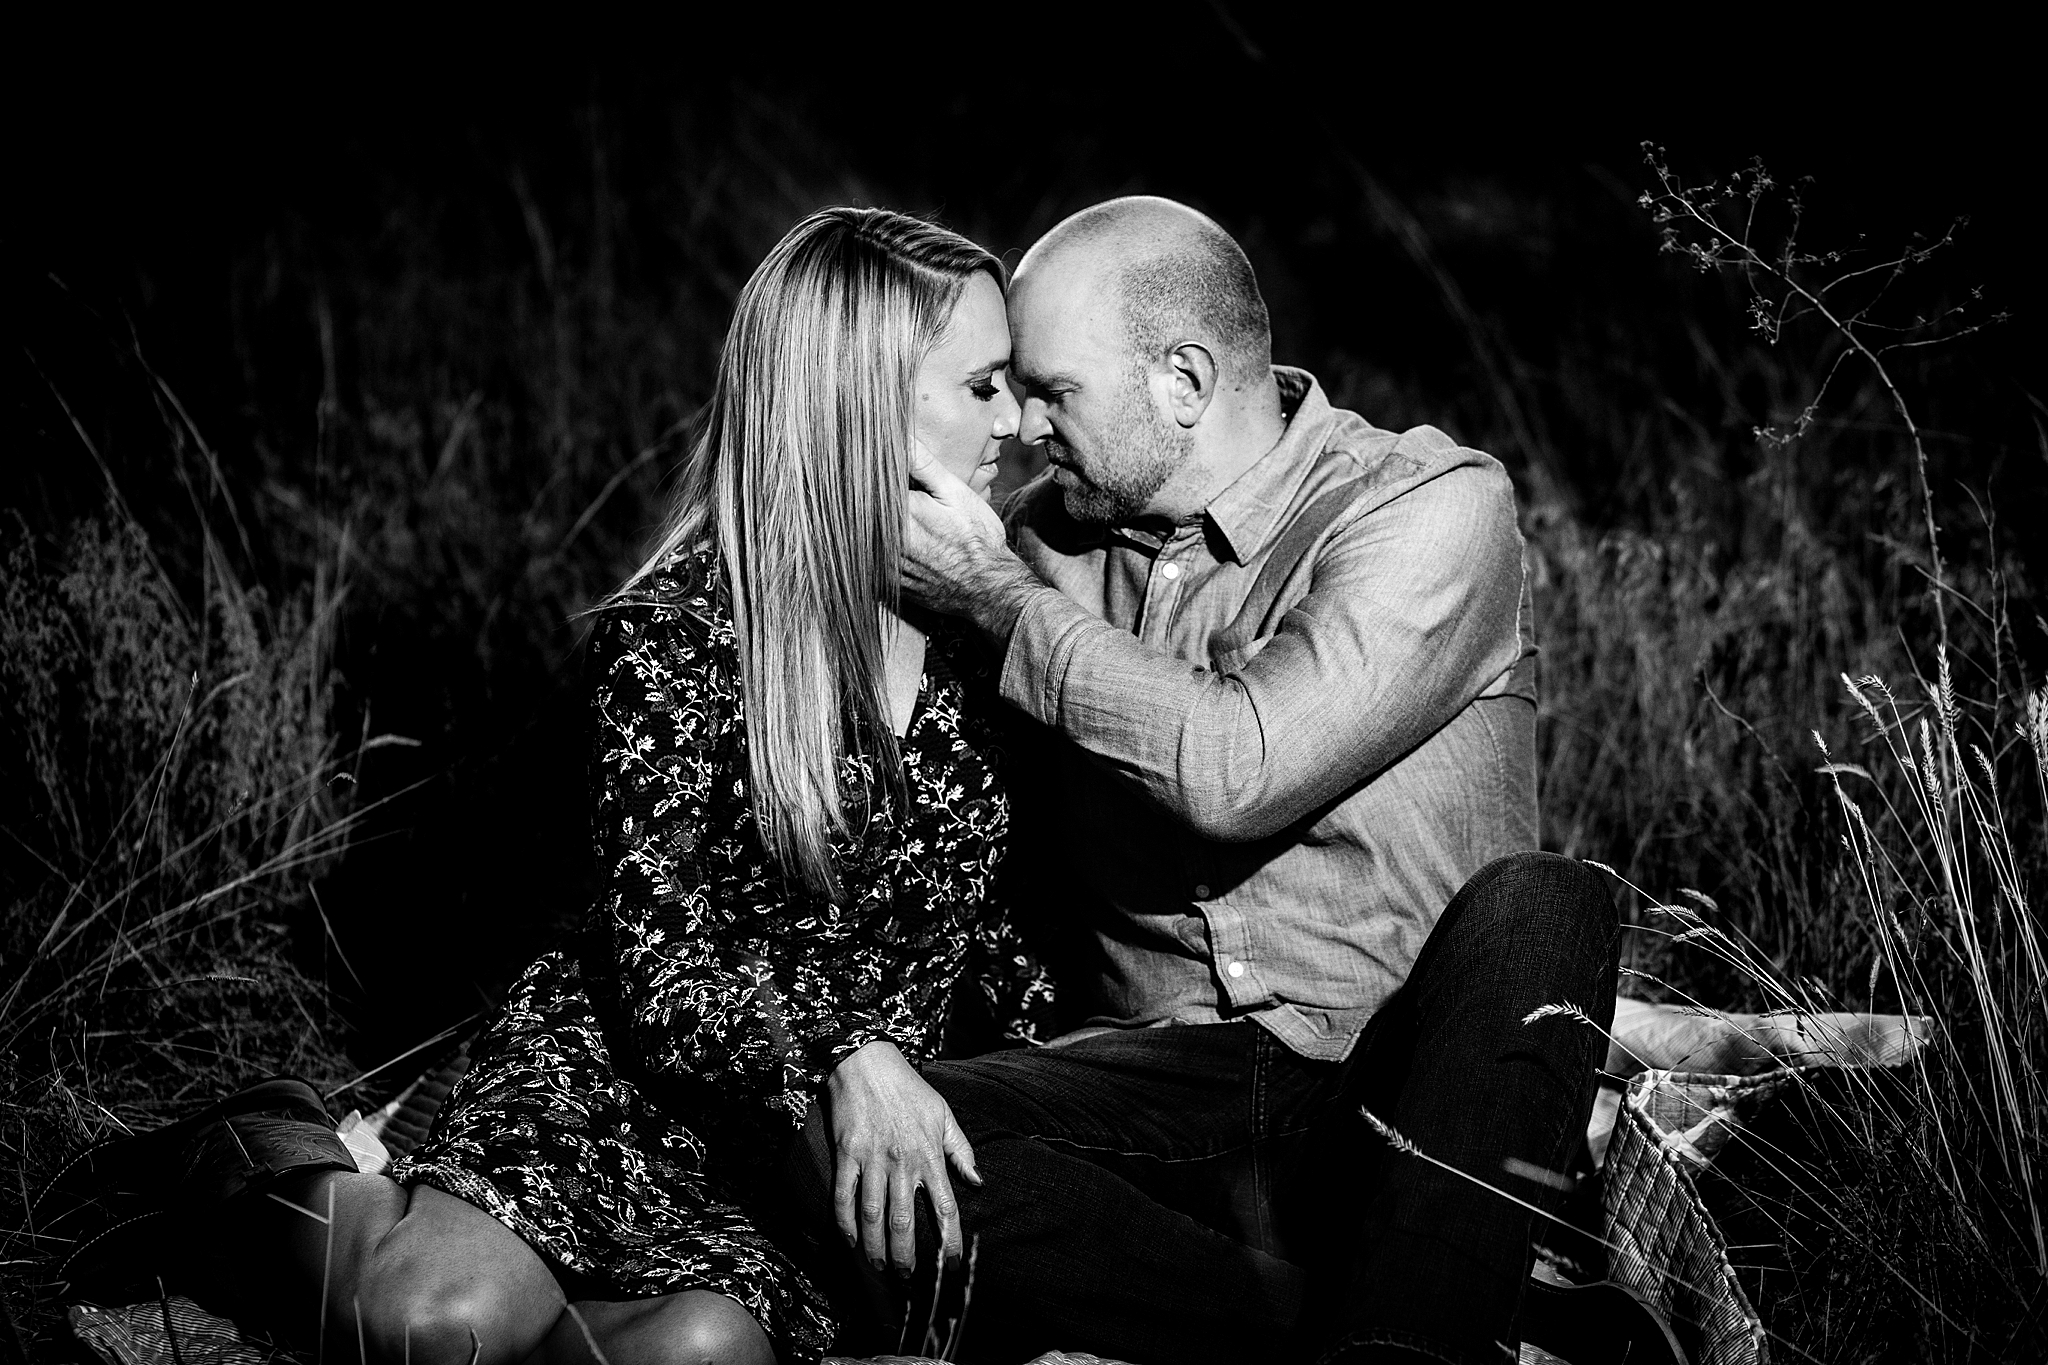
[1946,1197]
[1729,224]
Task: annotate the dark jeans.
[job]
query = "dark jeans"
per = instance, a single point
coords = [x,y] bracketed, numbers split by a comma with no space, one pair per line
[1204,1194]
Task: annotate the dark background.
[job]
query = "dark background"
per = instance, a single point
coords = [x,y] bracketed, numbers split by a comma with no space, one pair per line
[331,245]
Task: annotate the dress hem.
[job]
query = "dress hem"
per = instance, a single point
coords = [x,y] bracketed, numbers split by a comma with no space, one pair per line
[478,1192]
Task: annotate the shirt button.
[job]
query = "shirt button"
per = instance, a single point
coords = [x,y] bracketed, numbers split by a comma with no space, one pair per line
[1236,969]
[1201,891]
[1169,571]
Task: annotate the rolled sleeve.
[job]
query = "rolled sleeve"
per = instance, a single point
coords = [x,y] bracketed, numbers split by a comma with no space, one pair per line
[1041,649]
[1412,612]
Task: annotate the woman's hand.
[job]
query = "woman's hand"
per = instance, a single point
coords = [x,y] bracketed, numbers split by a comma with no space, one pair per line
[892,1133]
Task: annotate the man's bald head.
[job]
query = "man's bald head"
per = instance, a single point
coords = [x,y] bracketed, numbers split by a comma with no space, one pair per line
[1177,276]
[1142,357]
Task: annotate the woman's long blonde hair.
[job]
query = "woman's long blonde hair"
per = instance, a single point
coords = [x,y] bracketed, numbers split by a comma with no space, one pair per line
[798,480]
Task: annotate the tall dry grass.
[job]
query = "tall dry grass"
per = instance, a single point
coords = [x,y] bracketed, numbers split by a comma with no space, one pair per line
[175,790]
[1871,845]
[461,414]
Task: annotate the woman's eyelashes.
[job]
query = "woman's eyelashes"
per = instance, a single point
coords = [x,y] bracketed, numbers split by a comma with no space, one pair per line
[985,386]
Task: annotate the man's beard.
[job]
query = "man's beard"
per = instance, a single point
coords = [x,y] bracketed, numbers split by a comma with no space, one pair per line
[1146,450]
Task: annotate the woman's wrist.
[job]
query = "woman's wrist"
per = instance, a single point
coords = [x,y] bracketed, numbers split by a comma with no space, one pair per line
[875,1051]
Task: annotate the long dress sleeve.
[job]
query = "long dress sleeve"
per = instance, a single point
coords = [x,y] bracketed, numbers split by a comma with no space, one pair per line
[709,991]
[1015,985]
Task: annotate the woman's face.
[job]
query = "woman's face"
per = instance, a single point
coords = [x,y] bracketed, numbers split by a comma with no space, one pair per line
[964,406]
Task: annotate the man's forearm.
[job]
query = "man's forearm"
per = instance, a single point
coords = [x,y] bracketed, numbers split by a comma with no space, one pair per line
[992,591]
[1393,638]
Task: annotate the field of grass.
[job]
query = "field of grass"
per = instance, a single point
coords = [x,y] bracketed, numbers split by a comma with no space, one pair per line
[290,710]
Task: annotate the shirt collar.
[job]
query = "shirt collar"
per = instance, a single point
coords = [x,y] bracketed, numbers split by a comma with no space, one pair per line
[1253,498]
[1251,495]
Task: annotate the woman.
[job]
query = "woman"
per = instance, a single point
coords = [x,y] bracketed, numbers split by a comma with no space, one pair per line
[799,827]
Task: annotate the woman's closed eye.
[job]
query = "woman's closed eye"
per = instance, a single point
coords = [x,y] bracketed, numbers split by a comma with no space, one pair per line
[985,387]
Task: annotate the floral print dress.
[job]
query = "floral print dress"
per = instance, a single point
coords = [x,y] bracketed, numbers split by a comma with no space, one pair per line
[633,1098]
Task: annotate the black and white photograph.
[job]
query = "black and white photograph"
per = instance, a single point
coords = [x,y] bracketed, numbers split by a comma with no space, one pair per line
[1118,684]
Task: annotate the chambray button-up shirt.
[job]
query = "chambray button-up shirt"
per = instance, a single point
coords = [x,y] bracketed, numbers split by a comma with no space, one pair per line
[1299,722]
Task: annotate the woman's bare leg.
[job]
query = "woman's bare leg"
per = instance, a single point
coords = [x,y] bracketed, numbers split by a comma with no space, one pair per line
[695,1327]
[381,1271]
[384,1272]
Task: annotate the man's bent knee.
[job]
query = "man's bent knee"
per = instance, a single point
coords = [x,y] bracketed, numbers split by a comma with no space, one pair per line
[1544,883]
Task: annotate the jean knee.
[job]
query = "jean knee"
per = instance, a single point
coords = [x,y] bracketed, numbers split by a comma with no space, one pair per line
[1567,892]
[1579,890]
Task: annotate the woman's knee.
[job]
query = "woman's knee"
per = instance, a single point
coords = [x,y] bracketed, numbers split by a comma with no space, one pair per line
[695,1327]
[429,1315]
[450,1283]
[437,1316]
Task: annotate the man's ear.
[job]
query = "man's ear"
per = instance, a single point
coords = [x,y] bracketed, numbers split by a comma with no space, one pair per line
[1191,378]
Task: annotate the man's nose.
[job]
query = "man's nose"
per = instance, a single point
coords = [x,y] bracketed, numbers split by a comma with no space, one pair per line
[1034,425]
[1006,416]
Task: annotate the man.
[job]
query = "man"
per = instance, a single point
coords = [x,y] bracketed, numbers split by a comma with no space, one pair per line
[1288,658]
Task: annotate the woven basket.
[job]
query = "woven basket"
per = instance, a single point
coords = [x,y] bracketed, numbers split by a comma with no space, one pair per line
[1664,1244]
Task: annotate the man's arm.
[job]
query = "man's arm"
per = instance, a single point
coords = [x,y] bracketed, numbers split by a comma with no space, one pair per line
[1412,614]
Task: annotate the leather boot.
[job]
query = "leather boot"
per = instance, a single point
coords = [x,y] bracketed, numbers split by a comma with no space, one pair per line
[125,1211]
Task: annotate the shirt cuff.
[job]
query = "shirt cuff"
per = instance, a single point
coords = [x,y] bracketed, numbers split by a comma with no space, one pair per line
[1040,650]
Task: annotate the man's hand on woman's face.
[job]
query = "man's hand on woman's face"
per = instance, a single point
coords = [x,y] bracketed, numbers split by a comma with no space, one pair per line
[955,557]
[891,1134]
